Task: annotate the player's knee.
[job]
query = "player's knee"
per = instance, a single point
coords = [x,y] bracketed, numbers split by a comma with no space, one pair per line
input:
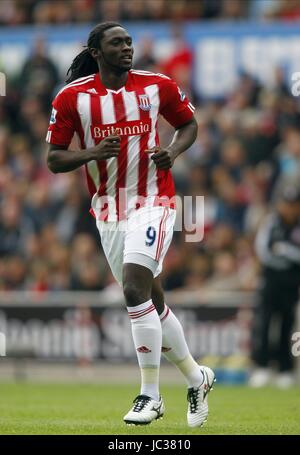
[134,293]
[157,296]
[157,291]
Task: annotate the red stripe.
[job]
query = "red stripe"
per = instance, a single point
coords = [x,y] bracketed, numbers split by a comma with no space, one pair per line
[96,117]
[120,114]
[164,179]
[165,185]
[103,177]
[143,157]
[162,241]
[168,311]
[90,182]
[141,311]
[161,233]
[164,232]
[137,317]
[158,171]
[144,314]
[161,244]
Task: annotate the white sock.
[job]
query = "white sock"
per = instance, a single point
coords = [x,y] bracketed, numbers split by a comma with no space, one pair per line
[147,338]
[175,349]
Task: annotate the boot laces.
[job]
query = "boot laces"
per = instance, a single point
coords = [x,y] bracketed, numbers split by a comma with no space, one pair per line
[140,402]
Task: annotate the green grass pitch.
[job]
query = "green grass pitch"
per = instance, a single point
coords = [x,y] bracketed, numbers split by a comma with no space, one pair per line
[27,408]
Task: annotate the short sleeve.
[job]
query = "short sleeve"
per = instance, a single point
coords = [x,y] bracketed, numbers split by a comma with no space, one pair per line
[62,125]
[175,106]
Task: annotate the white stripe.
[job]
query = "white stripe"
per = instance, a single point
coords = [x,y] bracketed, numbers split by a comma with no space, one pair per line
[131,106]
[190,104]
[148,73]
[108,116]
[107,108]
[153,93]
[80,79]
[142,72]
[48,137]
[193,110]
[162,75]
[84,111]
[73,84]
[78,82]
[133,150]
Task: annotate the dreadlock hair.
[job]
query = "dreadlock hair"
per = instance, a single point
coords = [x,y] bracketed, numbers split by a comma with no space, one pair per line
[84,64]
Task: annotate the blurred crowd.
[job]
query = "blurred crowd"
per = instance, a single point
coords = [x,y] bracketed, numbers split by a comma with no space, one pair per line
[17,12]
[248,147]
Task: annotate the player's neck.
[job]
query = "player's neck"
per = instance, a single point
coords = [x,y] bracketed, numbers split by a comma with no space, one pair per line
[113,81]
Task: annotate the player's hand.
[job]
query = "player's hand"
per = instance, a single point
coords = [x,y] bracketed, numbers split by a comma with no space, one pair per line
[109,147]
[162,157]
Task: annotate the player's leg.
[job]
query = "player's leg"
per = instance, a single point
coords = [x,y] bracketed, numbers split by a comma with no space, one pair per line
[144,242]
[147,337]
[145,324]
[287,313]
[174,347]
[136,281]
[260,354]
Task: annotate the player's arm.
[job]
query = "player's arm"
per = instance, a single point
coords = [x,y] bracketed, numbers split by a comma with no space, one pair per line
[63,124]
[60,159]
[178,111]
[183,138]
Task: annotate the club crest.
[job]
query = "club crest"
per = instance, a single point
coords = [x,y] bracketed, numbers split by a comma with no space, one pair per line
[144,102]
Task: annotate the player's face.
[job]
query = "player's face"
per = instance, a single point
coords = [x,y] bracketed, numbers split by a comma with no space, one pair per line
[116,49]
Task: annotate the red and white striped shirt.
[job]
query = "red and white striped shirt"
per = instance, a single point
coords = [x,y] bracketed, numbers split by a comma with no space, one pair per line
[88,108]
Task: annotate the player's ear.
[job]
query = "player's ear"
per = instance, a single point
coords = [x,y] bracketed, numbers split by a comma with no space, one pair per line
[95,53]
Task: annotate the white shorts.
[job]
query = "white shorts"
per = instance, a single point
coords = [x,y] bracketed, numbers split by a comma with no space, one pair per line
[147,233]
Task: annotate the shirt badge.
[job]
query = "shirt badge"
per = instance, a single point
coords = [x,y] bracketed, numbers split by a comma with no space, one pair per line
[144,103]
